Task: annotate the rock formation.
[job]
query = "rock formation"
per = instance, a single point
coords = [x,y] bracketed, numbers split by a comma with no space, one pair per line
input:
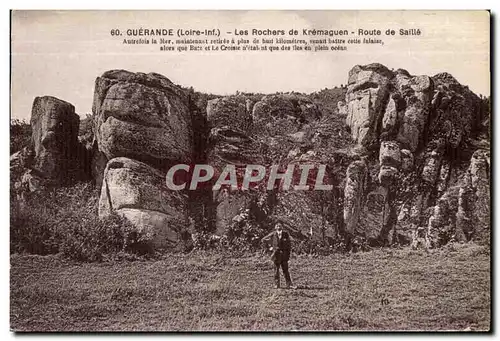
[143,126]
[416,130]
[355,186]
[138,192]
[231,112]
[54,136]
[407,158]
[462,213]
[366,98]
[295,107]
[230,143]
[144,117]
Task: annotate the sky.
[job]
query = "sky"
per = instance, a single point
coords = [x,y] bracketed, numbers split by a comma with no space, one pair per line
[60,53]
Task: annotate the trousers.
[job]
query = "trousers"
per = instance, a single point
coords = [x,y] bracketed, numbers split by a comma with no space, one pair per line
[284,266]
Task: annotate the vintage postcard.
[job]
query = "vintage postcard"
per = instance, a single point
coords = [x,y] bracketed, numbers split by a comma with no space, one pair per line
[250,171]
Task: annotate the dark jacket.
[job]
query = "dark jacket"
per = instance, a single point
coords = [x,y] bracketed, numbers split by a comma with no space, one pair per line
[281,246]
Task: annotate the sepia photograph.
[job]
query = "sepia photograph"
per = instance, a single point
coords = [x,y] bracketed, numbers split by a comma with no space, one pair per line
[250,170]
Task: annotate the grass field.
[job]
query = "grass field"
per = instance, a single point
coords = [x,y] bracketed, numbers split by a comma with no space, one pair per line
[386,289]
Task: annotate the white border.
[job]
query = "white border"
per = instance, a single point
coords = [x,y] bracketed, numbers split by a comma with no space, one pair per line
[191,4]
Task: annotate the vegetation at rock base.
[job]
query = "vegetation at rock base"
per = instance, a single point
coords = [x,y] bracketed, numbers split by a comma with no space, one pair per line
[65,220]
[20,135]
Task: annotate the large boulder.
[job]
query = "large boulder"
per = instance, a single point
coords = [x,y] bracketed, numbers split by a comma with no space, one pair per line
[416,92]
[375,219]
[479,170]
[393,103]
[138,192]
[366,98]
[142,116]
[354,195]
[54,127]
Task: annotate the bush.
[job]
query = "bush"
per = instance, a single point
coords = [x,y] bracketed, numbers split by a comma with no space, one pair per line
[89,240]
[31,231]
[65,220]
[208,241]
[20,135]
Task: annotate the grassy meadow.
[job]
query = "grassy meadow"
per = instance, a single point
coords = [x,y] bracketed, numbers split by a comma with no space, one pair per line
[383,289]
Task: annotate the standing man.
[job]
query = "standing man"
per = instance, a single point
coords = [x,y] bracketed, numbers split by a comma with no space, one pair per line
[281,246]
